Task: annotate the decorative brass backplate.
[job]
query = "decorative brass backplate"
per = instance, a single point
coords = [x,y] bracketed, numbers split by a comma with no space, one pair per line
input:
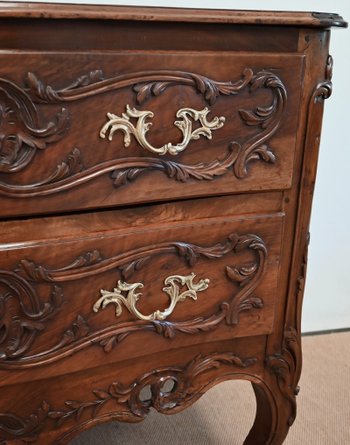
[187,115]
[172,288]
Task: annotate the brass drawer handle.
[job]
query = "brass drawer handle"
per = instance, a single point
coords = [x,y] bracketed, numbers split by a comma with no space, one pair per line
[172,288]
[187,116]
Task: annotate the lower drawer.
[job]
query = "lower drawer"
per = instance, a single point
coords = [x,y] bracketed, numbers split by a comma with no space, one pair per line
[129,288]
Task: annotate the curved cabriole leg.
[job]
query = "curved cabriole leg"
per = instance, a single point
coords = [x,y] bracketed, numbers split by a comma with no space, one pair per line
[276,395]
[273,415]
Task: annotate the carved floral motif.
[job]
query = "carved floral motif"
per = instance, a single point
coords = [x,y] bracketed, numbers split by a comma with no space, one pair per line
[79,336]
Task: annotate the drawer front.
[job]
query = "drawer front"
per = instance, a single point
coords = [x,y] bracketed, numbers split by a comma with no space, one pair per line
[132,292]
[88,130]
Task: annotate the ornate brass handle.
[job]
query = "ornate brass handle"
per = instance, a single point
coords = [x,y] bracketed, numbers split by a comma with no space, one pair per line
[187,115]
[172,288]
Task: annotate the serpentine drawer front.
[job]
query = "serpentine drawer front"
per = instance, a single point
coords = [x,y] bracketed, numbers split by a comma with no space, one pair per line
[189,282]
[110,126]
[156,177]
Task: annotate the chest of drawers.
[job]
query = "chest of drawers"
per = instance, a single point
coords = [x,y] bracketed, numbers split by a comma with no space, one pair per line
[156,178]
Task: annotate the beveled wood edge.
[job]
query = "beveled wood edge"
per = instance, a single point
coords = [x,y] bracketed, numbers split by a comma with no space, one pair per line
[154,14]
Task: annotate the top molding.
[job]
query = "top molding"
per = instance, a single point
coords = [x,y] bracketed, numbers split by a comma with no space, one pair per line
[238,17]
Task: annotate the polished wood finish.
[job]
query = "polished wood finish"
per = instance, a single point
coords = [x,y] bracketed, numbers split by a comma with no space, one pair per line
[73,12]
[201,255]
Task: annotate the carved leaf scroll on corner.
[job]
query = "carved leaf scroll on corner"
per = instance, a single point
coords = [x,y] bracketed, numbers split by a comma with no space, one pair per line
[71,173]
[80,335]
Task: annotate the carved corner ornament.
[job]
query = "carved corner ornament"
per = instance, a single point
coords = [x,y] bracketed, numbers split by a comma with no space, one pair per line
[139,131]
[172,288]
[19,142]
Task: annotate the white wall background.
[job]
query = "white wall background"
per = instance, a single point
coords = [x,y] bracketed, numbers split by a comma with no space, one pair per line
[327,295]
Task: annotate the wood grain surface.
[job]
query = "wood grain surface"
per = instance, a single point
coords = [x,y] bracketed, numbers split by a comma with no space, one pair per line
[138,272]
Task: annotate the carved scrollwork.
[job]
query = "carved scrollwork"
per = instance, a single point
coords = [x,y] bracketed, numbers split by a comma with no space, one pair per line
[26,429]
[324,89]
[21,133]
[18,332]
[71,172]
[268,118]
[127,399]
[183,390]
[144,83]
[79,336]
[285,366]
[186,115]
[286,363]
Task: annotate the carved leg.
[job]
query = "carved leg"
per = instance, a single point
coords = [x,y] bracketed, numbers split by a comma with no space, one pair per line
[274,414]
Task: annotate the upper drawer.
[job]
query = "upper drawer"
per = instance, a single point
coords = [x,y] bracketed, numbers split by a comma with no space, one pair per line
[88,130]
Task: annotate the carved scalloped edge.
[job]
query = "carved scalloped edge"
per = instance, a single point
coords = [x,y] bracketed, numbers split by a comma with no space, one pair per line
[188,388]
[79,336]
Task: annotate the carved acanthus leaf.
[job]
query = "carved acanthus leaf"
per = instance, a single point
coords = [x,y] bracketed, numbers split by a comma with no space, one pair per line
[145,84]
[39,92]
[25,428]
[284,365]
[268,118]
[79,329]
[18,333]
[36,272]
[21,131]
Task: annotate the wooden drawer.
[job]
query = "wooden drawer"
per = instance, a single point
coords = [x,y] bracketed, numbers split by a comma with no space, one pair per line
[114,292]
[221,123]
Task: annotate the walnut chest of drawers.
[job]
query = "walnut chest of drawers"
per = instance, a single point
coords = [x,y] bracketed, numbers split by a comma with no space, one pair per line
[156,178]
